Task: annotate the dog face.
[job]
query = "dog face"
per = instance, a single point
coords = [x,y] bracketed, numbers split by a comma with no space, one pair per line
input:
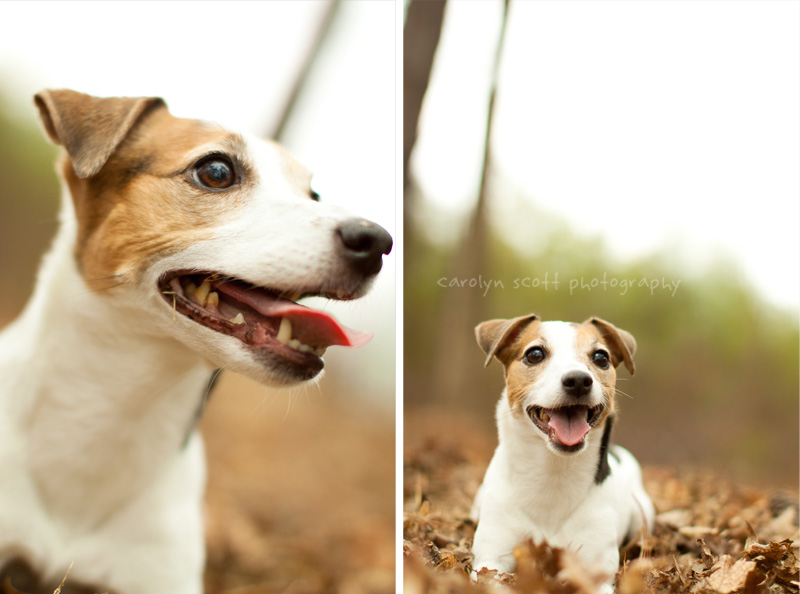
[560,377]
[212,235]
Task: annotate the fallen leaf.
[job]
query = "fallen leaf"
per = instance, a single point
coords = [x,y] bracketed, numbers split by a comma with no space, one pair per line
[727,577]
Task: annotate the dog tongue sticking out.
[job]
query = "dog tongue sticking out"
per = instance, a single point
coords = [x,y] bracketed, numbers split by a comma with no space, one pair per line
[316,327]
[310,326]
[569,424]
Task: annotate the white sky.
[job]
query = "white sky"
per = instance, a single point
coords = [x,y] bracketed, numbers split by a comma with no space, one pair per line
[651,124]
[233,62]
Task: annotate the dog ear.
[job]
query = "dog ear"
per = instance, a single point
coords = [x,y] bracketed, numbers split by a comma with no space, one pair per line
[494,335]
[90,128]
[621,343]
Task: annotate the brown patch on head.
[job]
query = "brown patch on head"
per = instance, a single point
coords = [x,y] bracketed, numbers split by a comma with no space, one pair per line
[90,128]
[142,200]
[519,376]
[496,336]
[505,340]
[621,343]
[598,335]
[588,342]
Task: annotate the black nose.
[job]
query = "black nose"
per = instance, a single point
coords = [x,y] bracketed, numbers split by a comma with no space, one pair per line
[365,244]
[576,383]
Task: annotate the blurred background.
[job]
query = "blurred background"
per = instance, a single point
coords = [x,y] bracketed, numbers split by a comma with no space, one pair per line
[301,489]
[639,162]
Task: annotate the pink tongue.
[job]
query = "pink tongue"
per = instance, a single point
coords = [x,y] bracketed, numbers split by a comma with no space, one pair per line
[569,424]
[310,326]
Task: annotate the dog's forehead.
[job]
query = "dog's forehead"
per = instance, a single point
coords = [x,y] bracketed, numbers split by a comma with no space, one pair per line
[168,143]
[165,140]
[560,335]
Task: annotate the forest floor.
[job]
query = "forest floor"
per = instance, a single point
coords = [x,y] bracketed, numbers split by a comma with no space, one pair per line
[710,536]
[301,493]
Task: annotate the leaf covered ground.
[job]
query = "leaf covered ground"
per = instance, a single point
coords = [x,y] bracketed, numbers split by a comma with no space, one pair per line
[301,493]
[711,535]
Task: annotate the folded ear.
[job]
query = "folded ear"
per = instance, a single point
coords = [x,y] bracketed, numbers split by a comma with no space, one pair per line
[89,128]
[621,343]
[494,335]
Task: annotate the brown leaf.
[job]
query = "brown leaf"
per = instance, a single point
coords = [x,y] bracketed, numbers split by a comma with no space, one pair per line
[433,554]
[773,550]
[727,577]
[695,532]
[447,560]
[706,556]
[633,578]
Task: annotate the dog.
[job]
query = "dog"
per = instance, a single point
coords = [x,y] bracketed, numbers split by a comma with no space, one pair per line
[182,247]
[555,476]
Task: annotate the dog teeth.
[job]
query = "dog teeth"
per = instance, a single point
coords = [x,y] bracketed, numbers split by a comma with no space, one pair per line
[205,297]
[284,336]
[285,331]
[544,416]
[190,290]
[202,292]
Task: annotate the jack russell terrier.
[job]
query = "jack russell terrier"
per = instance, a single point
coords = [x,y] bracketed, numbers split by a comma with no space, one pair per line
[554,476]
[182,247]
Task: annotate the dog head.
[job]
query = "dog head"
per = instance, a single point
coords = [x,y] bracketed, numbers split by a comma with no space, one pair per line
[211,235]
[560,376]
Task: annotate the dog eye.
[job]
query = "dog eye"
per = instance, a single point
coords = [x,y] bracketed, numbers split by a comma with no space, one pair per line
[534,355]
[215,172]
[600,358]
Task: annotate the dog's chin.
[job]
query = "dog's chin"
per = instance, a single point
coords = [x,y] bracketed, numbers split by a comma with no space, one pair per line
[559,448]
[275,370]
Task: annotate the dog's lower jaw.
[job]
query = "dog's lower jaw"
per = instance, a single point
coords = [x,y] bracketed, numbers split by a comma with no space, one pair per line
[225,352]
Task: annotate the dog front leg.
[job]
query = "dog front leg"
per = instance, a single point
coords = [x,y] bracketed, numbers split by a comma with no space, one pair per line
[594,540]
[493,547]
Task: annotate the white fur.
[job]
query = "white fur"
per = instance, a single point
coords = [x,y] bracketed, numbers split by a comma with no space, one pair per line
[530,491]
[98,394]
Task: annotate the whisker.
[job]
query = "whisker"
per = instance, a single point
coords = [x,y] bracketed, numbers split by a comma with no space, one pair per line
[618,391]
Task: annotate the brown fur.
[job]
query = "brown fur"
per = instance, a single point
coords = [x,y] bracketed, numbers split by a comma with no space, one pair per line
[127,166]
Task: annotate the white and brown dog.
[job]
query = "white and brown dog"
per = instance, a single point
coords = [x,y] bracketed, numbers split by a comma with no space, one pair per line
[555,477]
[182,247]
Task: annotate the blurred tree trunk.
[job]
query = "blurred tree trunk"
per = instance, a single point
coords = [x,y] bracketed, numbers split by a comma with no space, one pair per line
[420,40]
[421,34]
[457,367]
[323,32]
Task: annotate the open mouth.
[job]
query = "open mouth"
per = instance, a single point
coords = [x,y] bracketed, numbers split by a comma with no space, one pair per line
[567,426]
[265,319]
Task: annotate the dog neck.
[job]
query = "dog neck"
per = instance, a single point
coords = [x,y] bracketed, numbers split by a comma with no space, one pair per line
[549,481]
[105,399]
